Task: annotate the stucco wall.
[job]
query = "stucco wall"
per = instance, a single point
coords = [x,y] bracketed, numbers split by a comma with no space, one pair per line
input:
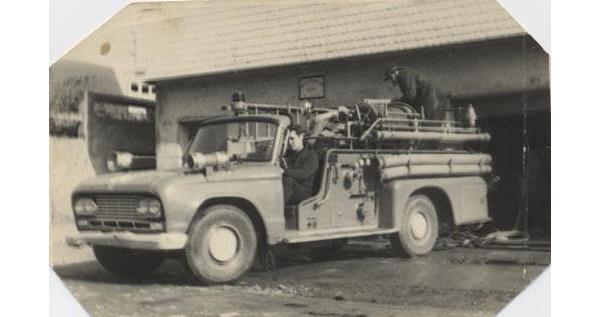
[69,165]
[468,70]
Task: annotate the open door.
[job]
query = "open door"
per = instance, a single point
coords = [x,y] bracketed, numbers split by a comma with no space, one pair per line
[122,125]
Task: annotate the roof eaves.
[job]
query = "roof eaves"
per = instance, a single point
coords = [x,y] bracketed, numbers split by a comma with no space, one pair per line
[159,79]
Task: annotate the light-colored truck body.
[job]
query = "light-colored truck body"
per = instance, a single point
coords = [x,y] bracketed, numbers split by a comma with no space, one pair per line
[221,212]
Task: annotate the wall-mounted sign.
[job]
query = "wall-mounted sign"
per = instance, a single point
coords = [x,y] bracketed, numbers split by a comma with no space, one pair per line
[311,87]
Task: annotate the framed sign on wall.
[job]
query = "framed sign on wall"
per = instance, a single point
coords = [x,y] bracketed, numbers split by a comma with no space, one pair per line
[311,87]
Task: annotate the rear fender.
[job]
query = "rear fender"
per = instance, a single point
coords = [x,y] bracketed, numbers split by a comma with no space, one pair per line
[465,197]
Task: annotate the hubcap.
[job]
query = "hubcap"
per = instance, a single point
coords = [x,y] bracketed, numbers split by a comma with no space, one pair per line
[222,243]
[418,225]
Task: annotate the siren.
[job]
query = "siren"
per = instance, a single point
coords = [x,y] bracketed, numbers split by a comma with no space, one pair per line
[238,102]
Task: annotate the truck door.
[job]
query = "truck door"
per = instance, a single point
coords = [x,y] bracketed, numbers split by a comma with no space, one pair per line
[119,123]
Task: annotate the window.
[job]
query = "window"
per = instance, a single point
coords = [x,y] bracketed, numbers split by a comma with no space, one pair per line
[248,140]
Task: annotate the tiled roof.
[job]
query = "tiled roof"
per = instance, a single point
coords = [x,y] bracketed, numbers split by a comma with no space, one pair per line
[214,37]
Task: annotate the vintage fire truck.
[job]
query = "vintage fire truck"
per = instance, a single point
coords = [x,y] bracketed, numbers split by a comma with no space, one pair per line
[385,170]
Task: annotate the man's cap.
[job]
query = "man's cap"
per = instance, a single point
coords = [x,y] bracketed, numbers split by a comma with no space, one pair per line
[389,70]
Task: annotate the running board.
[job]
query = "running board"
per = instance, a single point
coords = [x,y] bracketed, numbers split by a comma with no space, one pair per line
[310,236]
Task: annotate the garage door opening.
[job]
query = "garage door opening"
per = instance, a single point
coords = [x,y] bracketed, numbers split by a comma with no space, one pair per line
[520,146]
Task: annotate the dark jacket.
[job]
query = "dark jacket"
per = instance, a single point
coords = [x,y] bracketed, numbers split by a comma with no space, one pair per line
[419,92]
[302,166]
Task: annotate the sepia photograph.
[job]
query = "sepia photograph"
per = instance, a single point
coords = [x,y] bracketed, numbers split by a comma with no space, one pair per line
[315,158]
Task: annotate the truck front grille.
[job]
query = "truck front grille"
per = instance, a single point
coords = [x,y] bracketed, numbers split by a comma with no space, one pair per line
[117,206]
[117,212]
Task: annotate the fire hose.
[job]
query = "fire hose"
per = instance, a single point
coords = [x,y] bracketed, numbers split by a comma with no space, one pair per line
[514,239]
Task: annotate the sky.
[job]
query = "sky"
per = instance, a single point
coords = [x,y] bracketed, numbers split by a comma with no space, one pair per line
[73,20]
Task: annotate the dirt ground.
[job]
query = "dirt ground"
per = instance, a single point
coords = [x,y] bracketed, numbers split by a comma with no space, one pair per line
[363,279]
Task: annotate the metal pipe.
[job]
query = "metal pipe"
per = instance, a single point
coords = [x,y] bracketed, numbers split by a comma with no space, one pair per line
[198,160]
[368,131]
[426,121]
[433,171]
[403,114]
[386,126]
[386,161]
[432,136]
[273,107]
[120,160]
[447,129]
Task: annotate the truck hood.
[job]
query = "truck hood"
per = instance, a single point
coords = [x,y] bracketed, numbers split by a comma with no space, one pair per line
[127,182]
[155,180]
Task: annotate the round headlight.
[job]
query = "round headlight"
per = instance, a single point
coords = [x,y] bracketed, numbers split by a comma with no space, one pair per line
[85,206]
[142,206]
[149,206]
[78,207]
[154,207]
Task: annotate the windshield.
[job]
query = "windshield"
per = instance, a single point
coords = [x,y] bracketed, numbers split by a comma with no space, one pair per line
[248,140]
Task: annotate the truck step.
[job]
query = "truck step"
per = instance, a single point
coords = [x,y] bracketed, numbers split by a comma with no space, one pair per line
[328,234]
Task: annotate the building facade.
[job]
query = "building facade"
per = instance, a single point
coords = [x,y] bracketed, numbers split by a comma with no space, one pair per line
[195,54]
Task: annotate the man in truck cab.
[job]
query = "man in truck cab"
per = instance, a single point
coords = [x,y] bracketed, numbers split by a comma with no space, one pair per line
[301,165]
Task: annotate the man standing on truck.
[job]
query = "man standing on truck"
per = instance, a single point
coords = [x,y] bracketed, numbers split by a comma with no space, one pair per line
[300,168]
[418,91]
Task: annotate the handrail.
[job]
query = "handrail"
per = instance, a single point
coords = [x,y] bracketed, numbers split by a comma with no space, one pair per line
[368,131]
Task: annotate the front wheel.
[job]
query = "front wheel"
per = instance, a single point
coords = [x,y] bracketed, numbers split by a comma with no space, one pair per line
[222,244]
[418,229]
[128,262]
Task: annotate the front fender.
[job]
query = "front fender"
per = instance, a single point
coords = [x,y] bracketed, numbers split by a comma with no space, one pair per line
[182,201]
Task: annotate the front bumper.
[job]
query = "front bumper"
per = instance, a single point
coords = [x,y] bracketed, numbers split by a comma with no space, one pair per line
[146,241]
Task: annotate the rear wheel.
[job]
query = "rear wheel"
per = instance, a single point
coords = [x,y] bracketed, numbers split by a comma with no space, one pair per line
[222,244]
[127,262]
[418,229]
